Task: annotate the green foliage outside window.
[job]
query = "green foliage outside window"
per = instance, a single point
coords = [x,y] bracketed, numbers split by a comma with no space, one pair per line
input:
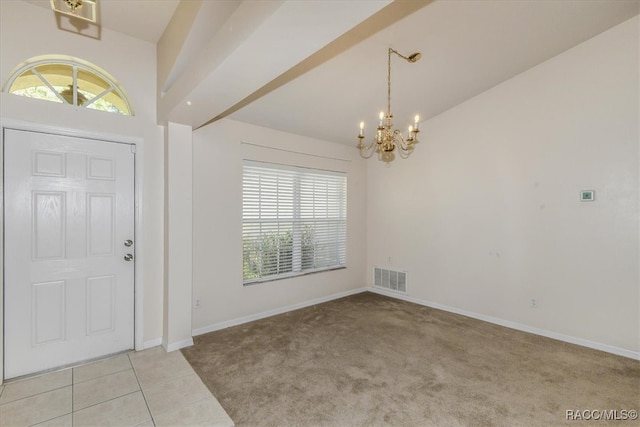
[272,253]
[43,92]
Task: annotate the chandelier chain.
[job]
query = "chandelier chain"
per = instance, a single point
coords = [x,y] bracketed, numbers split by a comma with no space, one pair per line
[389,83]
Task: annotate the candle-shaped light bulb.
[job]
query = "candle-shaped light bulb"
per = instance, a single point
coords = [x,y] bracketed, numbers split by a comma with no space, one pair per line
[410,129]
[361,128]
[417,120]
[381,115]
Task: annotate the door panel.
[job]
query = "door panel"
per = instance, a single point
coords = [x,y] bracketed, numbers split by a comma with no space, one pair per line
[100,223]
[69,292]
[48,238]
[48,315]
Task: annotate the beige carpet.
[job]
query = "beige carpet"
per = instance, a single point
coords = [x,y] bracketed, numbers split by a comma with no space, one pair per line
[369,360]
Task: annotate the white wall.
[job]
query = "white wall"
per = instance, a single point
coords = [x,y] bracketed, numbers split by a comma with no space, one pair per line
[29,31]
[218,151]
[485,215]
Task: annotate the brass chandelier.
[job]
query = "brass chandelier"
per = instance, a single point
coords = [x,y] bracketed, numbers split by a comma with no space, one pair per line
[387,139]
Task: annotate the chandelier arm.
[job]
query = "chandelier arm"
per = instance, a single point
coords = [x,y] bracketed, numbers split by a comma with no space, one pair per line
[400,142]
[364,149]
[405,147]
[361,146]
[367,156]
[405,153]
[373,143]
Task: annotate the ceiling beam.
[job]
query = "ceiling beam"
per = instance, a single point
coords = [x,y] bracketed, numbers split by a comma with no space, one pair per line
[376,22]
[259,42]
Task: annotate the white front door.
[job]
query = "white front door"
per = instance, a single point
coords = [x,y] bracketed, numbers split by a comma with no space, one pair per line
[69,227]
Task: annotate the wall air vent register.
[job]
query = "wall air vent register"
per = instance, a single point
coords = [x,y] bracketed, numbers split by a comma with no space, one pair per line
[390,279]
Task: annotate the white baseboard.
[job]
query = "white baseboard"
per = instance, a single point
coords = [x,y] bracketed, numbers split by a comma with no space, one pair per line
[177,345]
[269,313]
[152,343]
[513,325]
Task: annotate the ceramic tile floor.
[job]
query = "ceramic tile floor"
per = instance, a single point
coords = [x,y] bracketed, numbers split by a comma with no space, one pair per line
[147,388]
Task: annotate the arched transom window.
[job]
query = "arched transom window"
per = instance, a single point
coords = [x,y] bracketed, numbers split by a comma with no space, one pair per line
[71,81]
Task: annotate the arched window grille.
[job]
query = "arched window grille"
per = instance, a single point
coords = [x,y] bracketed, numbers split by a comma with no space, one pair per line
[71,81]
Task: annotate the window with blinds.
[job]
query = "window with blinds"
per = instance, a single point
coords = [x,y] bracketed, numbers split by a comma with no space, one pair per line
[293,221]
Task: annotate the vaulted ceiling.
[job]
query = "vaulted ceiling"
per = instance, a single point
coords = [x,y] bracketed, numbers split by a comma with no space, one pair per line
[319,67]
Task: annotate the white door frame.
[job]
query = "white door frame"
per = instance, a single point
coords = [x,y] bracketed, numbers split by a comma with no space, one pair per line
[138,185]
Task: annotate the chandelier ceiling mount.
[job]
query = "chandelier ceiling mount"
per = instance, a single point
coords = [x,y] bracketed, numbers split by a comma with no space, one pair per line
[81,9]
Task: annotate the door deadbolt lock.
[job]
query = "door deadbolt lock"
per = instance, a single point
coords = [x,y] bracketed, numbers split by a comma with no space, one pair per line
[128,257]
[128,243]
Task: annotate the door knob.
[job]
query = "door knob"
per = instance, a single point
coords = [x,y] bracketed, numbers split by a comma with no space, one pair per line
[128,257]
[128,243]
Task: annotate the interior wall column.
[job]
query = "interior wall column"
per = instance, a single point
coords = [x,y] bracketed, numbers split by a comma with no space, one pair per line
[178,254]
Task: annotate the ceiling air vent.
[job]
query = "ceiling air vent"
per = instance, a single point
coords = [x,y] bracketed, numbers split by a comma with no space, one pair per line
[390,279]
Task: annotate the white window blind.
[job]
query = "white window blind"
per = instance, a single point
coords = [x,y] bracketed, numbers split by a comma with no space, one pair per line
[294,221]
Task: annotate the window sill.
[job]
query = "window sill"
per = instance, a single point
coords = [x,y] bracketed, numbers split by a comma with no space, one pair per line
[291,275]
